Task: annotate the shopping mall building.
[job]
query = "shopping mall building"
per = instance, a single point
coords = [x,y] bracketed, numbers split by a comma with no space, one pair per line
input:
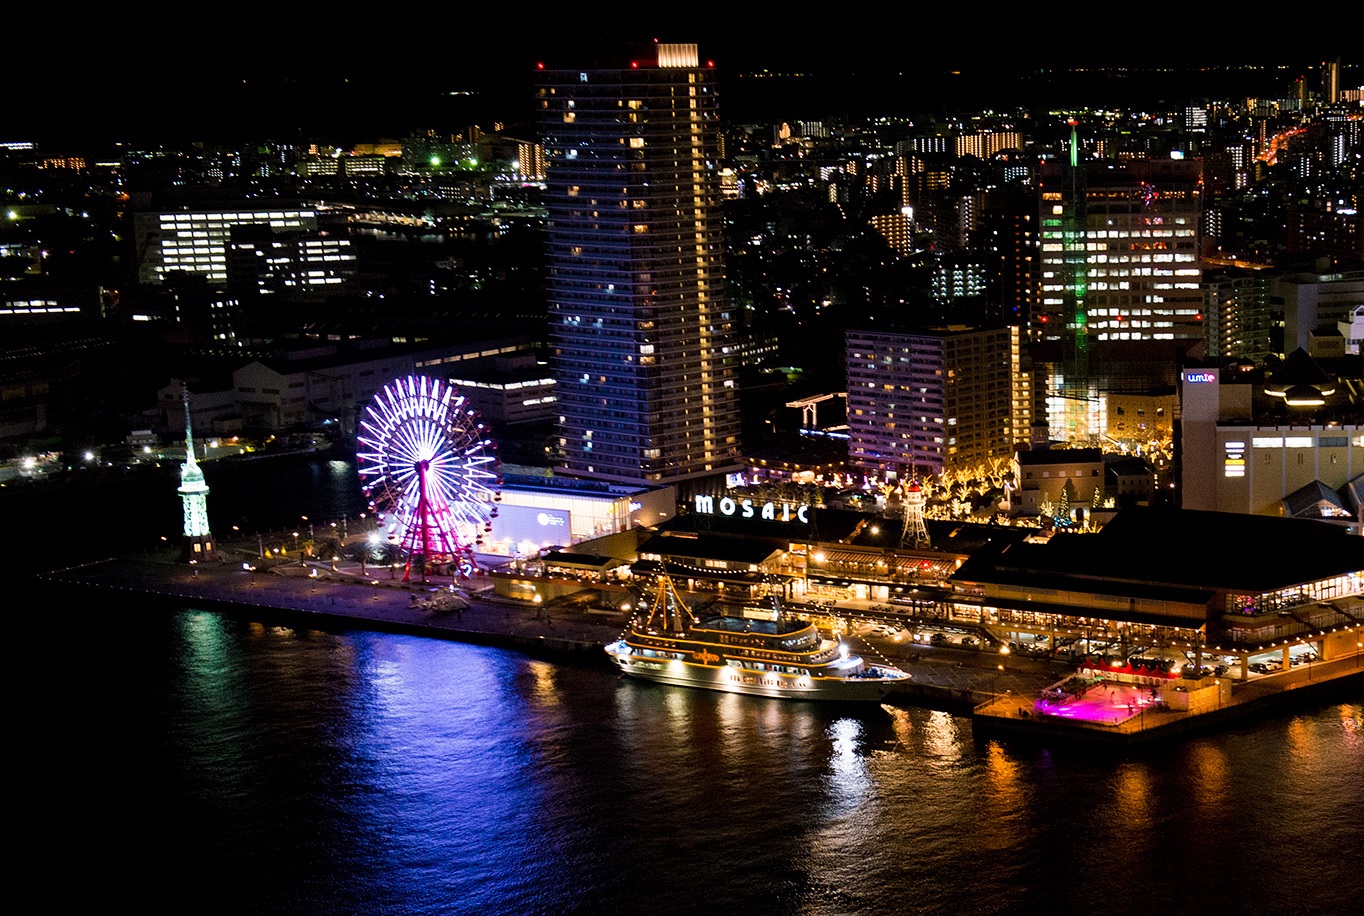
[1212,588]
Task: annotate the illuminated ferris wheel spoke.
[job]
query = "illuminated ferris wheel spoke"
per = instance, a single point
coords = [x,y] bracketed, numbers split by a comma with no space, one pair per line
[424,461]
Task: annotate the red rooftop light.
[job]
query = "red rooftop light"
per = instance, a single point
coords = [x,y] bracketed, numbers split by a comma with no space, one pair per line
[634,65]
[539,66]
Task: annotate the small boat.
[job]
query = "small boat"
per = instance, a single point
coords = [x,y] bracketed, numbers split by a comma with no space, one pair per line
[757,651]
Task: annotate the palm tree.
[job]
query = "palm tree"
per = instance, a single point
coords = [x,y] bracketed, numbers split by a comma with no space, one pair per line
[328,548]
[388,554]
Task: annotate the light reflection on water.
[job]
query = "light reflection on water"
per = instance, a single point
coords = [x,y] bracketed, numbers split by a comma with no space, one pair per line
[277,770]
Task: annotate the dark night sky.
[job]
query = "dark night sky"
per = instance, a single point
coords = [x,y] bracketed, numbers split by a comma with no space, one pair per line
[216,72]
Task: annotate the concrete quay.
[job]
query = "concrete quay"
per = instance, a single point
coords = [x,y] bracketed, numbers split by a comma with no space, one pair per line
[317,596]
[999,692]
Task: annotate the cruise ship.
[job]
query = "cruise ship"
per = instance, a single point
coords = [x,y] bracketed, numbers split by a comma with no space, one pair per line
[759,651]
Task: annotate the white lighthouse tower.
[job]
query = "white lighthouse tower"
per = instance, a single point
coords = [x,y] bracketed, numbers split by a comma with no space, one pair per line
[915,532]
[198,542]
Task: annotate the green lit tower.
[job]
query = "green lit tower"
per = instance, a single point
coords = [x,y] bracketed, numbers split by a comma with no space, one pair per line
[198,542]
[1074,290]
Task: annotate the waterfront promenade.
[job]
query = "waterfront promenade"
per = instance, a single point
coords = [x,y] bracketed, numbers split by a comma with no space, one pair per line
[1001,691]
[301,594]
[316,596]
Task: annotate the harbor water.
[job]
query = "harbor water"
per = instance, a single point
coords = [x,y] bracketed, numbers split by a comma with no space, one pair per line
[177,759]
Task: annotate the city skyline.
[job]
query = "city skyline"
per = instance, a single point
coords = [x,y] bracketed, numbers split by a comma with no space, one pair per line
[99,79]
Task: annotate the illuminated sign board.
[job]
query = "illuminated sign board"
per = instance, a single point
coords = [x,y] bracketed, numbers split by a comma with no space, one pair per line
[1198,377]
[531,523]
[747,508]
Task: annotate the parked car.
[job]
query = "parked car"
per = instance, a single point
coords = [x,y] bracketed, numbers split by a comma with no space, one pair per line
[970,641]
[937,639]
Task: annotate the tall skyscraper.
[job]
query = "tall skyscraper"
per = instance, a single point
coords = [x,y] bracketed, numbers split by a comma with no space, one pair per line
[642,333]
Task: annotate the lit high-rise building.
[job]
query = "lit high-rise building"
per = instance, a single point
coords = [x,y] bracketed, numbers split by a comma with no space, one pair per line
[641,330]
[1008,240]
[923,401]
[1134,248]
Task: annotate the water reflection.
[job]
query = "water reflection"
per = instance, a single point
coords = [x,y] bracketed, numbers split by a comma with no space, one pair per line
[544,688]
[941,738]
[1208,771]
[1134,812]
[848,780]
[309,772]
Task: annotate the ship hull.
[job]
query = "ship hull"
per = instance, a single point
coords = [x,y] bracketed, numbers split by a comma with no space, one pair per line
[757,683]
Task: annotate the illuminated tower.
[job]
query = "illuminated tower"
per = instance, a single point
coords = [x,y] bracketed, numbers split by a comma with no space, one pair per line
[640,325]
[915,532]
[198,543]
[1074,288]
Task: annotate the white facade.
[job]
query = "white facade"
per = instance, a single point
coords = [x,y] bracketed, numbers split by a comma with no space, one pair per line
[1310,301]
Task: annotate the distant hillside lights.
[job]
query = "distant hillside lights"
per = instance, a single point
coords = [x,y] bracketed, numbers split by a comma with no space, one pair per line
[746,508]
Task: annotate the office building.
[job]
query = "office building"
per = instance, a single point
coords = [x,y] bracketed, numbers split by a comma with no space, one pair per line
[641,332]
[1009,244]
[1318,231]
[293,265]
[1311,302]
[1134,230]
[195,241]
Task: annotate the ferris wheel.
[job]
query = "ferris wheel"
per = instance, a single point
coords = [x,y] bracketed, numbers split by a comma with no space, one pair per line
[430,471]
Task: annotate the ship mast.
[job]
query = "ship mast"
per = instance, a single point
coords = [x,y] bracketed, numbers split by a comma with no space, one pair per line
[668,611]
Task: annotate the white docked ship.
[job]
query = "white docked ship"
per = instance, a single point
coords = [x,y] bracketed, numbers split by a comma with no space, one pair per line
[761,651]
